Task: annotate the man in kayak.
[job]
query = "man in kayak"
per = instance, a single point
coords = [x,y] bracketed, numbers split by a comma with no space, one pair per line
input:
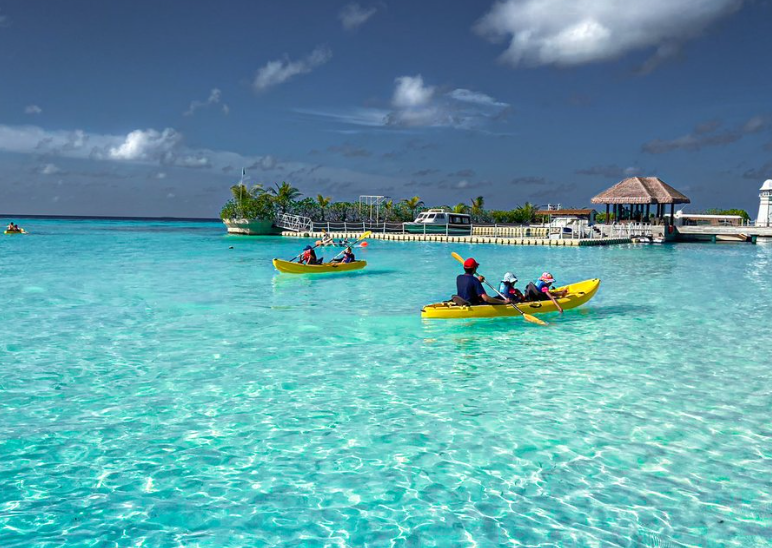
[508,289]
[542,291]
[469,287]
[309,256]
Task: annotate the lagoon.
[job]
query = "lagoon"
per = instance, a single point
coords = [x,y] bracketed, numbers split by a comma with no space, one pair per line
[160,389]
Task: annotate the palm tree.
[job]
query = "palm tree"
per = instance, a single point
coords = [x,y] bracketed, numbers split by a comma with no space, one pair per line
[284,195]
[323,203]
[526,213]
[257,190]
[477,206]
[460,208]
[388,209]
[413,204]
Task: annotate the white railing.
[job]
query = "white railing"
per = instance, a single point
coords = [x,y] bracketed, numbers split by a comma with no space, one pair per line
[295,223]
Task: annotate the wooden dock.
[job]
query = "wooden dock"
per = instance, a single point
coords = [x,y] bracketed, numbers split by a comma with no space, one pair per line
[472,239]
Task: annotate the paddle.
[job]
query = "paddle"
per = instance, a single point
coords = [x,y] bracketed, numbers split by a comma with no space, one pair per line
[526,317]
[362,237]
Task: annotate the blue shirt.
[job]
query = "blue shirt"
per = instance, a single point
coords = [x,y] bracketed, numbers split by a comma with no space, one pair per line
[469,288]
[541,286]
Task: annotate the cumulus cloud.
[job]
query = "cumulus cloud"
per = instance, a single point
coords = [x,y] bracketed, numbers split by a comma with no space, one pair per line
[410,92]
[416,104]
[148,144]
[353,15]
[575,32]
[215,96]
[32,109]
[279,71]
[707,134]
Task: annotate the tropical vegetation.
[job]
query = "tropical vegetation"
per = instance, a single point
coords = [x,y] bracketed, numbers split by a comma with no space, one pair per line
[261,203]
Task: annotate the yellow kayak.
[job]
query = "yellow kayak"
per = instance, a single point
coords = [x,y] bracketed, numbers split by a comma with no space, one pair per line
[578,294]
[297,268]
[15,232]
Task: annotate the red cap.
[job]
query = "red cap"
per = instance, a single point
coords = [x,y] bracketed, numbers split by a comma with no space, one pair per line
[471,263]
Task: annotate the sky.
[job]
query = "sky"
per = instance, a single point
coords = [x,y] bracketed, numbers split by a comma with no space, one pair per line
[147,108]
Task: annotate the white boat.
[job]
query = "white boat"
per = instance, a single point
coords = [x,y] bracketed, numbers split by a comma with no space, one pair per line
[439,221]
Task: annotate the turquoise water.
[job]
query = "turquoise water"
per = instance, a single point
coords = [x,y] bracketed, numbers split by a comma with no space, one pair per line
[160,389]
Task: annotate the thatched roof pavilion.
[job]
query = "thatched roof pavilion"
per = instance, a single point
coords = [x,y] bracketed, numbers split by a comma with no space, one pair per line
[629,196]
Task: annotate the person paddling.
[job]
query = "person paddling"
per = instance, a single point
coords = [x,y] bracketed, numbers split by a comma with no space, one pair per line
[469,287]
[308,256]
[542,291]
[508,289]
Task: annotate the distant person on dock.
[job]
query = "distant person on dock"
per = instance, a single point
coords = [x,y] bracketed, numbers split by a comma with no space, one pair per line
[542,291]
[309,256]
[469,287]
[508,289]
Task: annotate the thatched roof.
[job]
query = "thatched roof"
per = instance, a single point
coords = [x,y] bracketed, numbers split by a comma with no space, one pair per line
[641,190]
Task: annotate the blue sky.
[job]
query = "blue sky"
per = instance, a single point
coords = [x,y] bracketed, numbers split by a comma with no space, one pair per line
[152,108]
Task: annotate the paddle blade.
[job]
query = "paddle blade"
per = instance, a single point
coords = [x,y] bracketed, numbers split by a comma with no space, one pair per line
[458,257]
[365,235]
[534,319]
[364,244]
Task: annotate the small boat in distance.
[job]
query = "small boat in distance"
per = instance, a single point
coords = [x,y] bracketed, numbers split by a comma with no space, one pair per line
[439,221]
[298,268]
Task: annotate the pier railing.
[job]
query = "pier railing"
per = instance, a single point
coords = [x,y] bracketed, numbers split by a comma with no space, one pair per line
[295,223]
[576,231]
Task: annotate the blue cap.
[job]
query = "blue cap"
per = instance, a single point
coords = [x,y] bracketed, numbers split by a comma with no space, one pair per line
[307,248]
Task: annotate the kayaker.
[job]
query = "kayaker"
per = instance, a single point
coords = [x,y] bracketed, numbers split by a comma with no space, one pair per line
[469,287]
[508,289]
[542,291]
[308,256]
[348,257]
[327,239]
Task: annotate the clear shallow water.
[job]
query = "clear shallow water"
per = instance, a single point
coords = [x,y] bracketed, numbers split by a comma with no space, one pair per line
[159,389]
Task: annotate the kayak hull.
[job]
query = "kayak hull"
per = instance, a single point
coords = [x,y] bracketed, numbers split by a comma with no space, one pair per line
[578,294]
[297,268]
[14,232]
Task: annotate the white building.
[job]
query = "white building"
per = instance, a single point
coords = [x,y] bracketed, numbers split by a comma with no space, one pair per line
[765,205]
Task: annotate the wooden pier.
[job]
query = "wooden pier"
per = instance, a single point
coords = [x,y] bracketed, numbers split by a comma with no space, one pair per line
[472,239]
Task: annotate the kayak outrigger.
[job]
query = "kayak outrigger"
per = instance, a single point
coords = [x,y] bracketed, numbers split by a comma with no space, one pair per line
[297,268]
[578,294]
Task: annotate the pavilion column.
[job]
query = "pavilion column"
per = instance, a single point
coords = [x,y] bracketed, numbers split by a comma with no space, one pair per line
[672,212]
[648,212]
[607,217]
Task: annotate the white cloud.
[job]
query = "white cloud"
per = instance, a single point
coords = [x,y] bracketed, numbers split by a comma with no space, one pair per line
[416,104]
[410,91]
[145,145]
[32,109]
[50,169]
[573,32]
[215,96]
[474,97]
[353,15]
[279,71]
